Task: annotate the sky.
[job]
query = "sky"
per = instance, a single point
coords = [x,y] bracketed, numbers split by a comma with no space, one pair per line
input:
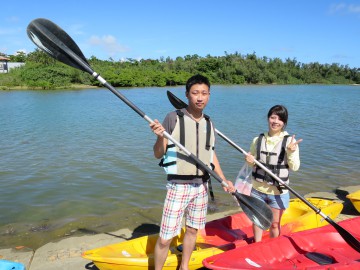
[323,31]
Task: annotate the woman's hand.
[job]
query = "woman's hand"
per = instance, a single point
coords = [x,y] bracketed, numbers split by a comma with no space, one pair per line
[250,158]
[292,146]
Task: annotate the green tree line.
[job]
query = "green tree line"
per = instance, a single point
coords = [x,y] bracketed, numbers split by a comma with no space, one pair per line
[42,71]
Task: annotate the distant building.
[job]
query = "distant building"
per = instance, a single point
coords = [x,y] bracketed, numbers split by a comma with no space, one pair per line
[5,65]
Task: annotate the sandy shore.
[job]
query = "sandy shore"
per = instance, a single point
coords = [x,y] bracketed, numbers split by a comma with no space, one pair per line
[66,254]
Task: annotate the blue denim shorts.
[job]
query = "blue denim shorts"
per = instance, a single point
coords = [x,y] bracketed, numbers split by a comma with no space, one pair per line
[274,201]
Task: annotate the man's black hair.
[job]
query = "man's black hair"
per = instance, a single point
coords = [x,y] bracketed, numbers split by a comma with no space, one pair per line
[197,79]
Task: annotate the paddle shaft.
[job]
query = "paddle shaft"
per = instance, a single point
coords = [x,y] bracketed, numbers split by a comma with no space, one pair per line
[258,212]
[165,134]
[97,76]
[58,44]
[317,210]
[81,63]
[348,237]
[178,103]
[42,31]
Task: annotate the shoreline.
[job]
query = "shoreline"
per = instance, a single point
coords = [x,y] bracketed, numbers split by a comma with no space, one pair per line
[36,234]
[66,253]
[71,87]
[85,86]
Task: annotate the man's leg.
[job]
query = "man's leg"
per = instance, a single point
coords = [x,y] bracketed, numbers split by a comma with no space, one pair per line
[195,218]
[188,247]
[161,252]
[173,211]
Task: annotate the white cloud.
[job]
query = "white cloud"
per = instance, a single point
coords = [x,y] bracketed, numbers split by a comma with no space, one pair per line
[76,29]
[334,8]
[161,51]
[354,9]
[12,19]
[15,52]
[340,56]
[9,31]
[344,8]
[109,43]
[286,49]
[21,50]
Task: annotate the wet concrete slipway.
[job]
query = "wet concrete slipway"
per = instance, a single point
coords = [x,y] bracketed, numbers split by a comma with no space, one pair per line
[66,254]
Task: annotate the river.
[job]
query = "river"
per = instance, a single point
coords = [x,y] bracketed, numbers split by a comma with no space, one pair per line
[75,161]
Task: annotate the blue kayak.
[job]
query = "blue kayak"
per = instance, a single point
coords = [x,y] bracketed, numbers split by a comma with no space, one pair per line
[8,265]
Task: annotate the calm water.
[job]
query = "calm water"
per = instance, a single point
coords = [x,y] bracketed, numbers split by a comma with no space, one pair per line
[82,160]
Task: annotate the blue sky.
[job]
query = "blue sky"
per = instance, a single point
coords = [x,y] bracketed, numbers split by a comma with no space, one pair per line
[308,31]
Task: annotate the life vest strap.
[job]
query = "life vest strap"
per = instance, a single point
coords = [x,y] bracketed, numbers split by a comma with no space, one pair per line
[162,164]
[208,131]
[275,167]
[258,146]
[268,153]
[182,127]
[283,149]
[268,178]
[204,177]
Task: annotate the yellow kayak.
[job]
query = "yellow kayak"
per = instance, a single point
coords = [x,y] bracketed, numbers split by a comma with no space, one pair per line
[355,199]
[218,236]
[299,216]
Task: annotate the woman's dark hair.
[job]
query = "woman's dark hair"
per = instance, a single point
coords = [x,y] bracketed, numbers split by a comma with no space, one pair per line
[197,79]
[280,111]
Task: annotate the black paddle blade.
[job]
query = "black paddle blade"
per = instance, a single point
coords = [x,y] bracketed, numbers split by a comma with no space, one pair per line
[347,236]
[256,210]
[264,218]
[54,41]
[175,101]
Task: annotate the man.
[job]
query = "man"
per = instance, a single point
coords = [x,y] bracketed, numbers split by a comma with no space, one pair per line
[187,182]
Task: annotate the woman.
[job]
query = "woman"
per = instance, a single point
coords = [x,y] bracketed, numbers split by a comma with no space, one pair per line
[279,152]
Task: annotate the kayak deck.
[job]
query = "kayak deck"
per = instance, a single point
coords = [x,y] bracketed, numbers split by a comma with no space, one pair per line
[355,199]
[303,250]
[218,236]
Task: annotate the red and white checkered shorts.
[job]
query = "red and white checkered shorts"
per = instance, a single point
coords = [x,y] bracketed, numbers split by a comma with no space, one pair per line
[188,199]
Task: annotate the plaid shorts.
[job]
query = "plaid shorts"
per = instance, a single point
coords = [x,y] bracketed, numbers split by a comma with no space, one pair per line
[188,199]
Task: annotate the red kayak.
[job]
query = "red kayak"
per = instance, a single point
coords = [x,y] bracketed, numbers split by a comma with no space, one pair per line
[218,236]
[315,249]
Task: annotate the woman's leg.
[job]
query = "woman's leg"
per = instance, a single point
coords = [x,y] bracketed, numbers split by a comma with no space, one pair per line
[275,225]
[257,233]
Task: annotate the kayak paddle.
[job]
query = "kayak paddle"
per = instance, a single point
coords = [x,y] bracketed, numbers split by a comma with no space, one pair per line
[53,40]
[347,236]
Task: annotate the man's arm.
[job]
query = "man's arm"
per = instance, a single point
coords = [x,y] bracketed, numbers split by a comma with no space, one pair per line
[161,142]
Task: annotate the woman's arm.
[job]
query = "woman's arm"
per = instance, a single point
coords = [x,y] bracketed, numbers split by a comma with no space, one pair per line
[293,154]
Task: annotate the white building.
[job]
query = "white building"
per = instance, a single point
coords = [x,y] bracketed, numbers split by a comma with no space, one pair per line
[5,65]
